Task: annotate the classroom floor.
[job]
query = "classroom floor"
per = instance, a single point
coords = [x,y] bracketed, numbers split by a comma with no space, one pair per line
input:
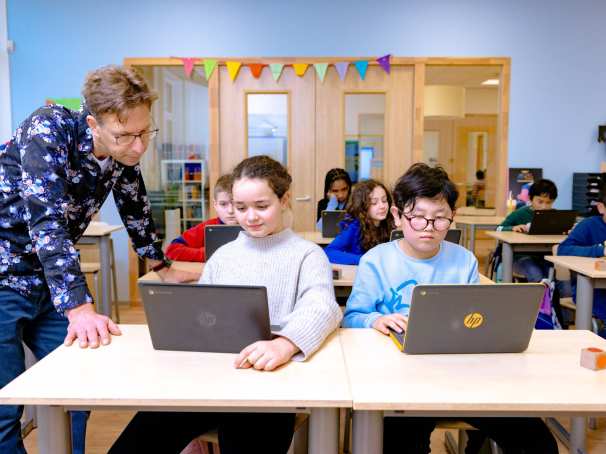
[105,426]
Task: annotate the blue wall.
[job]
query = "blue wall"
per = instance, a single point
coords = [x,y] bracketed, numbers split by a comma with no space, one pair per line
[558,85]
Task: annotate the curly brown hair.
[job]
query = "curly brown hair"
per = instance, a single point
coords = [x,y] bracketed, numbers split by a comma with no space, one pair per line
[357,208]
[115,90]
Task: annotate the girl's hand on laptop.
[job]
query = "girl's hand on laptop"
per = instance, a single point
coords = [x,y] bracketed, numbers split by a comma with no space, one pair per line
[522,228]
[175,275]
[266,355]
[396,322]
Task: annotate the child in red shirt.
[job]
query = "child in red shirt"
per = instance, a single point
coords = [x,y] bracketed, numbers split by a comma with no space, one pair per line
[189,247]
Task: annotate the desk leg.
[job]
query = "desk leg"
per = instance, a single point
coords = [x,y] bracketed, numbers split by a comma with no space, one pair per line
[577,434]
[507,262]
[54,435]
[584,302]
[472,239]
[323,431]
[367,432]
[464,233]
[104,255]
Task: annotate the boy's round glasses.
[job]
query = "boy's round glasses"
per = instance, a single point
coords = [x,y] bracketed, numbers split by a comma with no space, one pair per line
[420,223]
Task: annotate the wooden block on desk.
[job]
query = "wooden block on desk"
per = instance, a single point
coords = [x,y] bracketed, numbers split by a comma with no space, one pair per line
[600,265]
[593,358]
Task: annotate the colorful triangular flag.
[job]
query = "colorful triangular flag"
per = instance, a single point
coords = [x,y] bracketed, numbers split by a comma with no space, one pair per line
[209,67]
[361,66]
[342,69]
[384,62]
[233,67]
[276,70]
[188,65]
[300,68]
[321,70]
[255,69]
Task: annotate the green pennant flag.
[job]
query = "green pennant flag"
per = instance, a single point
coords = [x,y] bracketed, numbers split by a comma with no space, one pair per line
[276,70]
[209,67]
[321,70]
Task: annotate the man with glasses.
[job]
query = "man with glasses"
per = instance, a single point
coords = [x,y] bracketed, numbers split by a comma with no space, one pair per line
[55,173]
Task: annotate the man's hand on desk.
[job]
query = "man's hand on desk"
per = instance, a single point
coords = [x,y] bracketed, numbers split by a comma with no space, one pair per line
[175,275]
[88,327]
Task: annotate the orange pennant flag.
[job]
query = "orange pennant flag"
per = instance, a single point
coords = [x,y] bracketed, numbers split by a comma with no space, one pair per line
[300,68]
[255,69]
[233,67]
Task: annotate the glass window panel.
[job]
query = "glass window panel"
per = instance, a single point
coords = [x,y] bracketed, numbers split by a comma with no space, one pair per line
[267,117]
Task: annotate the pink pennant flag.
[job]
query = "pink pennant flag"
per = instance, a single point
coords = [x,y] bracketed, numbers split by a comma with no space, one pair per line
[342,69]
[384,62]
[188,64]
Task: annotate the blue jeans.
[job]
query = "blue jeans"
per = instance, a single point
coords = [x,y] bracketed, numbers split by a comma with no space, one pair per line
[35,322]
[532,267]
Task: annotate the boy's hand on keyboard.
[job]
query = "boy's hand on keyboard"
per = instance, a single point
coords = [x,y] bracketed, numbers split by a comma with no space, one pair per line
[522,228]
[397,322]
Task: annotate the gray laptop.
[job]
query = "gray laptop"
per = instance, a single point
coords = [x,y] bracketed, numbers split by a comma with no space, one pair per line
[216,236]
[205,318]
[330,222]
[495,318]
[552,222]
[453,235]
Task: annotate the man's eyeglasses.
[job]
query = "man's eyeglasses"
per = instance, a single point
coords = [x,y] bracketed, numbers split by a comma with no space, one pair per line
[420,223]
[128,139]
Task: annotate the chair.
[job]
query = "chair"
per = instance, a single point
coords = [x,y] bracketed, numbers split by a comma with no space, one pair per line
[458,446]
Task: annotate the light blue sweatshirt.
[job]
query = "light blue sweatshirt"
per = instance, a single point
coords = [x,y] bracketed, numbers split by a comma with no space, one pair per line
[386,277]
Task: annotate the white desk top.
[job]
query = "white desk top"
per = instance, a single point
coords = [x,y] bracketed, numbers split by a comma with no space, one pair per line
[101,229]
[546,378]
[524,238]
[130,373]
[478,220]
[315,237]
[195,267]
[582,265]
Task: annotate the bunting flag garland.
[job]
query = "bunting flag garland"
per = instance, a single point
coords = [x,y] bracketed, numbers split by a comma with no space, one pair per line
[233,68]
[300,68]
[321,70]
[276,70]
[361,66]
[188,65]
[209,67]
[384,62]
[255,69]
[342,69]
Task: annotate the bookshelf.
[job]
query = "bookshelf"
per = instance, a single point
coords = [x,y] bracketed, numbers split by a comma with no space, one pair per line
[183,181]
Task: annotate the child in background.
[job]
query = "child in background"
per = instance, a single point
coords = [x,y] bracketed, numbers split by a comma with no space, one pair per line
[424,206]
[337,188]
[189,247]
[543,194]
[588,239]
[366,224]
[301,302]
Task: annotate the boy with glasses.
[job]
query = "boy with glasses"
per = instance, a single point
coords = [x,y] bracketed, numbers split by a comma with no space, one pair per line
[424,205]
[55,173]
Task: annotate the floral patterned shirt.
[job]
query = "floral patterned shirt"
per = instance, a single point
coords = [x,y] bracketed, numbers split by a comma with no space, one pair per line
[51,185]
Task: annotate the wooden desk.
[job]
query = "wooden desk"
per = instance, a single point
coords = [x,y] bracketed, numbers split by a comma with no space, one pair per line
[588,279]
[384,379]
[315,237]
[99,233]
[473,211]
[194,267]
[521,242]
[130,374]
[470,224]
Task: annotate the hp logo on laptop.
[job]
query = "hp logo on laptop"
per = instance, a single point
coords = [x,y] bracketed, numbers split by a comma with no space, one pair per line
[473,320]
[207,319]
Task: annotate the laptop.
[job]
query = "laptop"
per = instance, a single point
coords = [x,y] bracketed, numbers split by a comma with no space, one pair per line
[552,222]
[453,235]
[470,318]
[205,318]
[216,236]
[330,222]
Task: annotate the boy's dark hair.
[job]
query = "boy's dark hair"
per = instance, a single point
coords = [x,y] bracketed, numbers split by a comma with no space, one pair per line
[336,174]
[264,168]
[223,184]
[543,187]
[480,174]
[602,194]
[421,180]
[357,208]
